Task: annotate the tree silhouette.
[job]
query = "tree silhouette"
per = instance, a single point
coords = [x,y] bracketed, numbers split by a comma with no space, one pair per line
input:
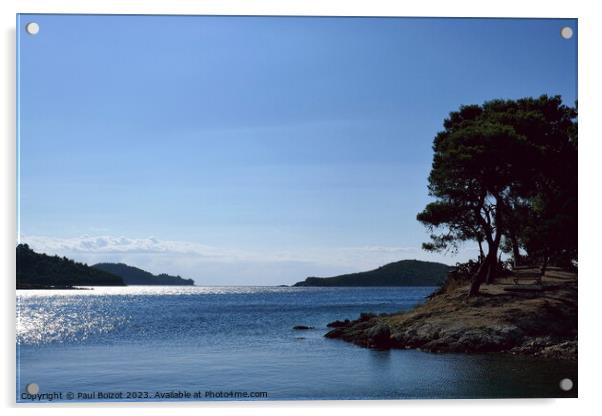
[505,170]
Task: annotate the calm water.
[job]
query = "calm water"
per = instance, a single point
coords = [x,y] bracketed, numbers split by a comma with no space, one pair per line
[240,339]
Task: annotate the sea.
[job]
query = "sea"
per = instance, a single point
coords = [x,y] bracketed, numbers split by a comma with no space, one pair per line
[175,343]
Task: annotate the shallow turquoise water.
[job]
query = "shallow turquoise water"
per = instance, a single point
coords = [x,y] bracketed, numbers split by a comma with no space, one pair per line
[148,342]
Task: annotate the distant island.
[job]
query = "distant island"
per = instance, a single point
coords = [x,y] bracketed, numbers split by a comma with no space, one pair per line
[41,271]
[135,276]
[400,273]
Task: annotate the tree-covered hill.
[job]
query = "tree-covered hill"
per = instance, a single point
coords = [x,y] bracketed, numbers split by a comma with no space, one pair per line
[135,276]
[401,273]
[39,271]
[505,175]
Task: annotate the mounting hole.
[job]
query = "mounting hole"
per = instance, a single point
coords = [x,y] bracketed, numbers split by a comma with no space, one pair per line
[32,388]
[566,32]
[32,28]
[566,384]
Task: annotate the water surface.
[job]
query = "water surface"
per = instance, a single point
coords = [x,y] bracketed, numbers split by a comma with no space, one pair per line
[150,340]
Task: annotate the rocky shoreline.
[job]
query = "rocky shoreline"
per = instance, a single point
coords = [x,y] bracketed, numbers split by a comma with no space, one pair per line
[540,323]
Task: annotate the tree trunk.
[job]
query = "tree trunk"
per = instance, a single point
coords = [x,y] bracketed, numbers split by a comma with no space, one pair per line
[491,268]
[479,277]
[515,250]
[481,254]
[544,266]
[487,271]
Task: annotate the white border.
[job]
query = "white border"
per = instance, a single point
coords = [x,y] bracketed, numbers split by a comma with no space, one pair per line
[590,71]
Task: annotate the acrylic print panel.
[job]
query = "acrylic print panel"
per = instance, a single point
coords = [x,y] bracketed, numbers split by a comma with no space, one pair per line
[290,208]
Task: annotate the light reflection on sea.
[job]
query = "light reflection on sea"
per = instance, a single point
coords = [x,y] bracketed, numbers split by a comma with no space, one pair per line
[241,338]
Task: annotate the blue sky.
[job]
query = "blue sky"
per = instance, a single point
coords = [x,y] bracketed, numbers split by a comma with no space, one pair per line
[255,150]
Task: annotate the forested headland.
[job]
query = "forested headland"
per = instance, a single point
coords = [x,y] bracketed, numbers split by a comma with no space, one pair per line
[504,176]
[41,271]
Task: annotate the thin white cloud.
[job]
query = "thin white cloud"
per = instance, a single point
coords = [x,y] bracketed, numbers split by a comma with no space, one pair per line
[121,245]
[219,265]
[151,245]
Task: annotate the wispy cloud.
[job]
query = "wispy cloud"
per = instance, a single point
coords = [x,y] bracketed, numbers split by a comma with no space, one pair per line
[222,265]
[152,245]
[111,244]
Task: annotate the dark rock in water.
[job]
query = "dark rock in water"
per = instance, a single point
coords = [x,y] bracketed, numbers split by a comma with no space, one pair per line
[379,335]
[354,331]
[339,324]
[302,327]
[366,316]
[335,333]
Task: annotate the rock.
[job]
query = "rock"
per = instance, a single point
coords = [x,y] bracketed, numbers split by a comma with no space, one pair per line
[339,324]
[562,350]
[379,335]
[495,322]
[335,333]
[302,327]
[366,316]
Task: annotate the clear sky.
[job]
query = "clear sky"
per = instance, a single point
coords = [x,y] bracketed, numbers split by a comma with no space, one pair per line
[255,150]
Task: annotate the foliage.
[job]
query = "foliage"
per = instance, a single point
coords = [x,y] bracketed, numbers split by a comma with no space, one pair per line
[135,276]
[36,270]
[505,173]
